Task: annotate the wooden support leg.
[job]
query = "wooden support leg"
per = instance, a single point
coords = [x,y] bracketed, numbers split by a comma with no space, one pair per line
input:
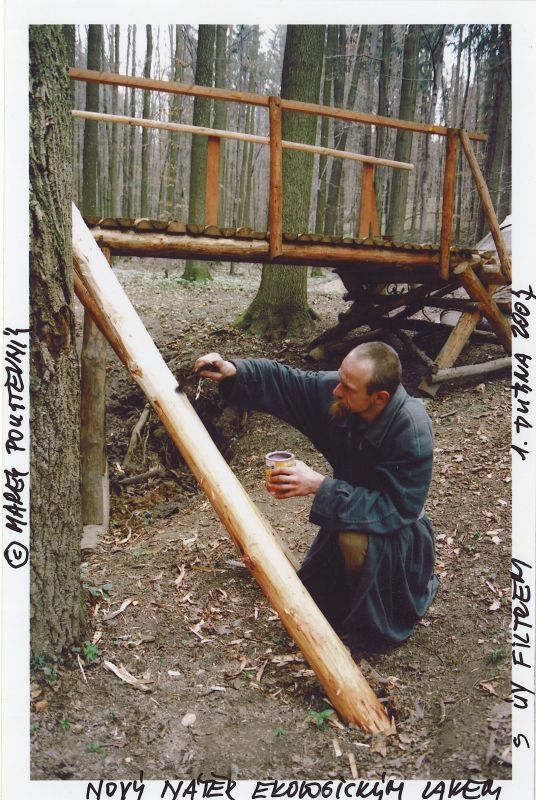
[368,215]
[275,212]
[490,309]
[447,212]
[452,347]
[340,677]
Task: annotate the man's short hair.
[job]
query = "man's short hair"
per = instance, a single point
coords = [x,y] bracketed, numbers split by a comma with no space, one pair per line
[386,367]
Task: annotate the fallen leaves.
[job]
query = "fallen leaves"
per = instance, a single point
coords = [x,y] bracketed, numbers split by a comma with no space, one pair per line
[124,675]
[188,720]
[125,604]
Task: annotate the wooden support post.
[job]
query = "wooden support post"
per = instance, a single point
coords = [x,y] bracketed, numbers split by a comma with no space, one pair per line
[276,179]
[340,677]
[452,347]
[212,191]
[92,422]
[368,214]
[474,288]
[487,205]
[447,211]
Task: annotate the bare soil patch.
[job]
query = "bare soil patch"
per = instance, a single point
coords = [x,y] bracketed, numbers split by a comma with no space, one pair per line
[225,689]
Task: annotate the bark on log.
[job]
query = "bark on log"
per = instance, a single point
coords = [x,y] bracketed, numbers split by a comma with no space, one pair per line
[340,677]
[470,370]
[415,263]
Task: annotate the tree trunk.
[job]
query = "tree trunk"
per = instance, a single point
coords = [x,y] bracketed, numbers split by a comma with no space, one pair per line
[132,137]
[384,85]
[324,135]
[145,151]
[93,362]
[498,124]
[91,156]
[436,48]
[408,96]
[175,111]
[114,175]
[280,306]
[341,128]
[56,530]
[204,71]
[124,210]
[220,110]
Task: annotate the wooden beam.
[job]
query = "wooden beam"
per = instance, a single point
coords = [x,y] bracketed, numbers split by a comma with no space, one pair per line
[487,205]
[340,677]
[164,245]
[93,76]
[474,288]
[447,210]
[212,190]
[275,212]
[200,130]
[367,210]
[471,370]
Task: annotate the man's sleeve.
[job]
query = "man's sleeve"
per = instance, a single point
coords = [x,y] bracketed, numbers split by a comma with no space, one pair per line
[403,480]
[291,394]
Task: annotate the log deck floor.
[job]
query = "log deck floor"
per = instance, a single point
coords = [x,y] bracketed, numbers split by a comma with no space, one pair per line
[365,267]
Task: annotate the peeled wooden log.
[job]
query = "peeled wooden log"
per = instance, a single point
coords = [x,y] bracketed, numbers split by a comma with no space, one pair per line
[340,677]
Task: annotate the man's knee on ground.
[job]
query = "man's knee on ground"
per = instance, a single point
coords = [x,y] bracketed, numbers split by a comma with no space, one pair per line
[353,547]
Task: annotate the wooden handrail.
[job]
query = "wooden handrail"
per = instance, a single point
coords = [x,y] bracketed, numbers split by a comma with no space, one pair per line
[242,137]
[135,82]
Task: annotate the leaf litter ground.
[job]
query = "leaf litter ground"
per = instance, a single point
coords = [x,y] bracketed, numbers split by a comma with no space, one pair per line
[186,669]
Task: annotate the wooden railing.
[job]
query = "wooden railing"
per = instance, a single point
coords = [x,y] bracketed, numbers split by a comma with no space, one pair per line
[368,222]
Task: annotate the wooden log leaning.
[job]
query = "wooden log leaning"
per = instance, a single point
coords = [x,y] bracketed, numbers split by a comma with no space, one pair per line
[487,205]
[491,311]
[340,677]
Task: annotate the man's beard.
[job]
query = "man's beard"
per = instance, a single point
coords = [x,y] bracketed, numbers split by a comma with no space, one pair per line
[337,409]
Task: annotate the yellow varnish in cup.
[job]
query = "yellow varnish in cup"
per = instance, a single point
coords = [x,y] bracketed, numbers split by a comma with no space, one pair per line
[279,458]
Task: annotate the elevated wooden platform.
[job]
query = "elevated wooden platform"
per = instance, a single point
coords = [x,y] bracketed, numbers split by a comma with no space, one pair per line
[367,266]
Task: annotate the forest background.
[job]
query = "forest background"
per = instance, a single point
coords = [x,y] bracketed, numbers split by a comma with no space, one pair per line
[451,75]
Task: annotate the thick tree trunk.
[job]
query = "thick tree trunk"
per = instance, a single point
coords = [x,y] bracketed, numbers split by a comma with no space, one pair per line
[204,72]
[408,96]
[56,522]
[280,306]
[145,150]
